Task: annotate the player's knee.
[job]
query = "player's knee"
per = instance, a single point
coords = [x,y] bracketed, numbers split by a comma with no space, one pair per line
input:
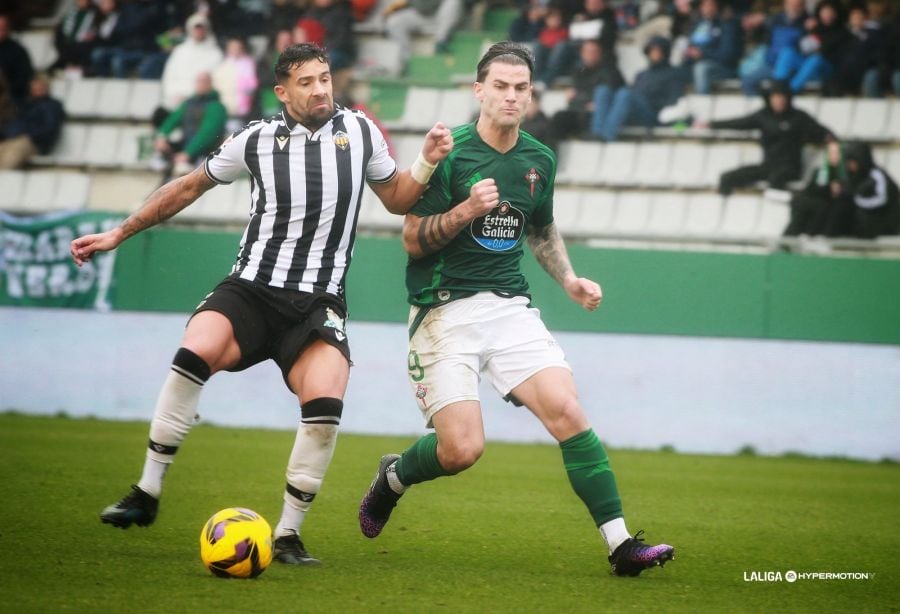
[459,456]
[568,420]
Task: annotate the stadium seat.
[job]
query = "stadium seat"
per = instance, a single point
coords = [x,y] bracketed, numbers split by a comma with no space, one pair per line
[71,146]
[729,106]
[102,145]
[566,204]
[379,56]
[652,165]
[631,60]
[457,106]
[579,162]
[618,162]
[892,164]
[720,158]
[773,219]
[39,44]
[688,165]
[146,96]
[703,215]
[59,88]
[596,212]
[83,98]
[113,98]
[740,216]
[836,114]
[135,146]
[751,153]
[240,204]
[667,214]
[13,183]
[419,110]
[39,191]
[870,120]
[810,104]
[893,122]
[406,148]
[553,101]
[700,106]
[632,213]
[72,190]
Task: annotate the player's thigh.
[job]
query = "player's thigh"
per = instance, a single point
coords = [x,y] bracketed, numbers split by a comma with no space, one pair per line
[550,394]
[209,335]
[321,370]
[460,434]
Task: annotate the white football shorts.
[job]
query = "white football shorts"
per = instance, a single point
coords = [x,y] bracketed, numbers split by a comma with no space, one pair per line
[455,343]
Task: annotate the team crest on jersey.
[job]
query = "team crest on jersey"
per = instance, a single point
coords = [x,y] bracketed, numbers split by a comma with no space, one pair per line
[341,140]
[499,230]
[333,320]
[532,178]
[421,391]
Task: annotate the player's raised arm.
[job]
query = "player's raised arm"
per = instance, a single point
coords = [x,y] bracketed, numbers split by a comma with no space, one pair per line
[425,235]
[163,203]
[404,189]
[550,251]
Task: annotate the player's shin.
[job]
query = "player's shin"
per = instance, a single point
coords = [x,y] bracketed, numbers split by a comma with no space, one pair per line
[419,463]
[176,408]
[587,466]
[310,457]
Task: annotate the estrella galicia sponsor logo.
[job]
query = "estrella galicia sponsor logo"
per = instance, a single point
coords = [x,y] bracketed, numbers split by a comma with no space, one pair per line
[499,230]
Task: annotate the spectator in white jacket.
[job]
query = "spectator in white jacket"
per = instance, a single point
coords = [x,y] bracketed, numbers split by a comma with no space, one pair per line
[198,53]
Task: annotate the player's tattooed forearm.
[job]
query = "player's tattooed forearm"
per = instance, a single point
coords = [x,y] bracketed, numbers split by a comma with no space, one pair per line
[550,251]
[433,234]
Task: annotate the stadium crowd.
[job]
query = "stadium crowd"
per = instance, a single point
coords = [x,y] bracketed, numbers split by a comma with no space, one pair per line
[213,80]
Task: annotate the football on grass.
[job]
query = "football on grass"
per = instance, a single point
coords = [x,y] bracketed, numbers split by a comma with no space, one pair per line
[236,543]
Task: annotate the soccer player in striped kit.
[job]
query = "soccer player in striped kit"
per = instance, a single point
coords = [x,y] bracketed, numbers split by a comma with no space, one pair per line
[284,299]
[471,312]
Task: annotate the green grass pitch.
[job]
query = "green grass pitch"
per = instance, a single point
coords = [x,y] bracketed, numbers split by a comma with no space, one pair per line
[508,535]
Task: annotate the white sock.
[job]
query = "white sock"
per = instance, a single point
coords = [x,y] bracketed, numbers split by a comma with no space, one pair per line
[310,457]
[393,481]
[152,477]
[614,532]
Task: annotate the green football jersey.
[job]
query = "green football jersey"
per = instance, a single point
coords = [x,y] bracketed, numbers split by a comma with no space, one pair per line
[486,254]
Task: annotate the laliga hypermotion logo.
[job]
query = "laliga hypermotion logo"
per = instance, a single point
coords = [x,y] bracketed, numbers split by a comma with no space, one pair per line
[532,178]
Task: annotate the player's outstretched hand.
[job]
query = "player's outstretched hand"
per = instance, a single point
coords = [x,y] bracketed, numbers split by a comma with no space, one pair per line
[483,197]
[438,143]
[83,248]
[585,292]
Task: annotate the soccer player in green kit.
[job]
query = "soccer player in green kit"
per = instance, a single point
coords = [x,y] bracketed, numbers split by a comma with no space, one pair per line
[471,311]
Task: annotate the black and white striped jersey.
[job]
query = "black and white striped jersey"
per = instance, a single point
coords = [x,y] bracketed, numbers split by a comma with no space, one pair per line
[305,193]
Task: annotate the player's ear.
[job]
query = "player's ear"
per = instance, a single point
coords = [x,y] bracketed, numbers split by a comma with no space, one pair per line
[478,87]
[281,93]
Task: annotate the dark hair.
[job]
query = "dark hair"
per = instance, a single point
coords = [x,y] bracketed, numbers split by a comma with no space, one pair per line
[297,55]
[506,52]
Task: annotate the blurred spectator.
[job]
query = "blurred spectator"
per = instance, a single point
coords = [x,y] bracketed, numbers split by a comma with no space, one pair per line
[783,132]
[235,79]
[267,103]
[886,77]
[229,18]
[199,53]
[15,63]
[552,34]
[336,19]
[285,13]
[536,122]
[73,36]
[526,26]
[817,52]
[596,77]
[782,34]
[130,41]
[33,129]
[597,22]
[658,86]
[714,48]
[856,65]
[403,18]
[823,206]
[193,129]
[875,194]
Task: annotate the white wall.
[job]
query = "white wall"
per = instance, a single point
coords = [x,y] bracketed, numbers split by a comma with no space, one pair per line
[698,395]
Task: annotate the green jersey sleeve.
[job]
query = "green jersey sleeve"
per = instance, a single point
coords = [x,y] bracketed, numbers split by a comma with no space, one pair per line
[437,196]
[543,213]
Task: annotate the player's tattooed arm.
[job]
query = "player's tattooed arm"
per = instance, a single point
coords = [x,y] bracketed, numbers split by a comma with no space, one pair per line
[423,236]
[165,202]
[549,250]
